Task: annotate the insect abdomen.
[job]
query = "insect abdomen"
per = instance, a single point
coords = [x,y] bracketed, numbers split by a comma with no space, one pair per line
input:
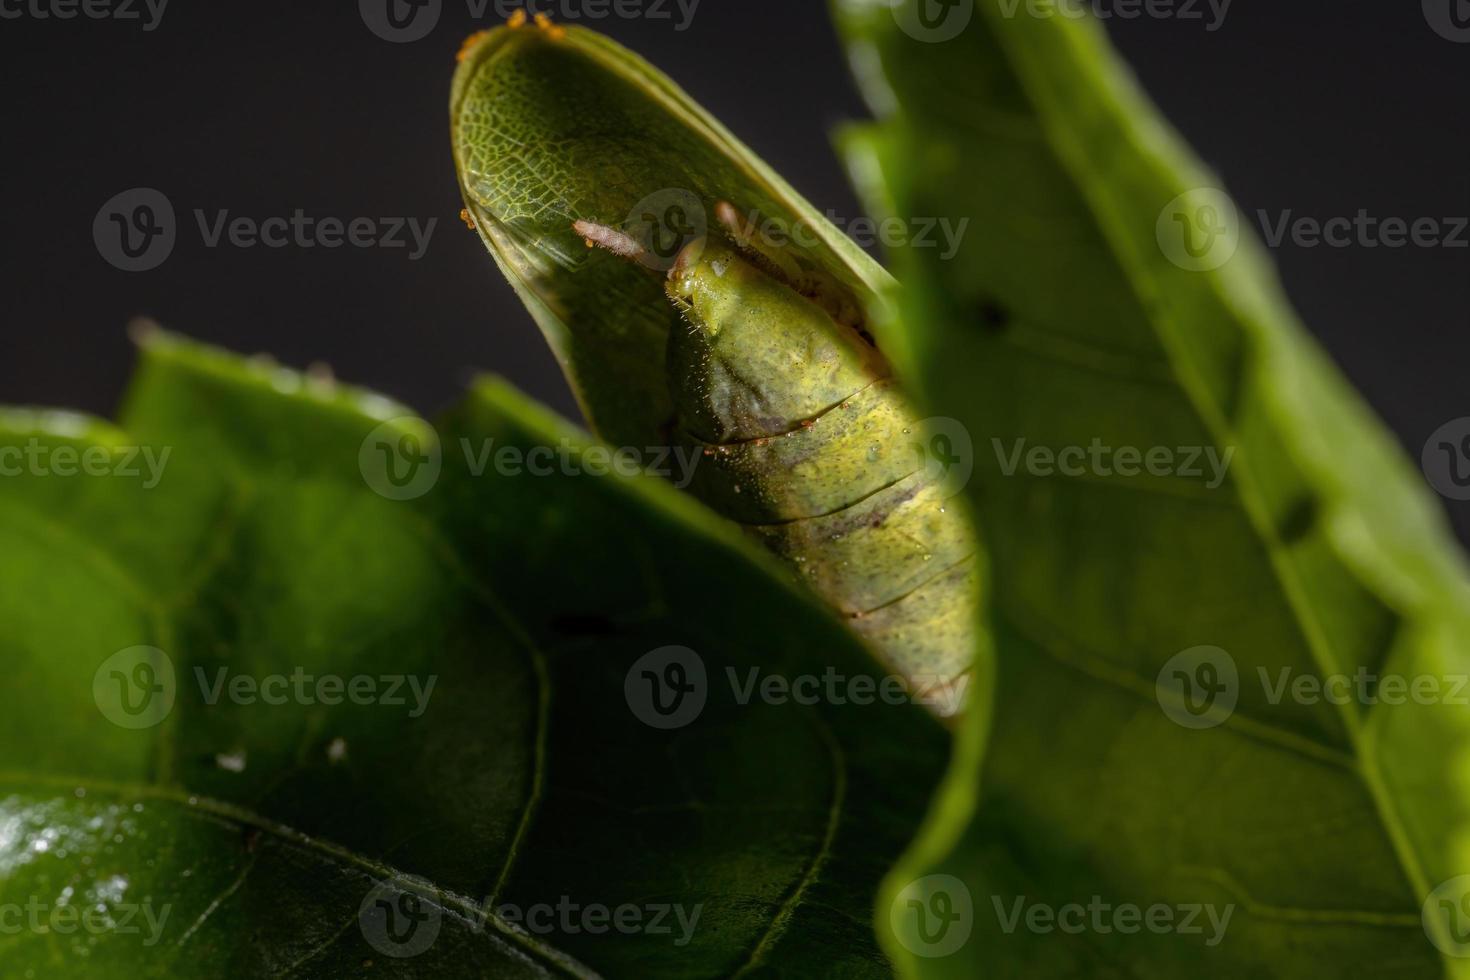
[809,445]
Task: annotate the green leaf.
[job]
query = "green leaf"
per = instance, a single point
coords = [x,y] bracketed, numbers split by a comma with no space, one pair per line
[504,787]
[1075,311]
[553,126]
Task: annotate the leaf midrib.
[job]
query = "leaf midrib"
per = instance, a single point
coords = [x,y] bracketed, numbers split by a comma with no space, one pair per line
[473,911]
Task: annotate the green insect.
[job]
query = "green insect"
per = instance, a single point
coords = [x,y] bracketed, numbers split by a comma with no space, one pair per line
[693,297]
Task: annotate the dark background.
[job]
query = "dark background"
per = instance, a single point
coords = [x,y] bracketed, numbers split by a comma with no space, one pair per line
[260,108]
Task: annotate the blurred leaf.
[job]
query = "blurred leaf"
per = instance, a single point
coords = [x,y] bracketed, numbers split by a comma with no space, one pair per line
[1107,295]
[477,779]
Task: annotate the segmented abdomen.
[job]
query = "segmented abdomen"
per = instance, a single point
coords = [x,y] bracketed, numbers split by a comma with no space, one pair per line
[855,500]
